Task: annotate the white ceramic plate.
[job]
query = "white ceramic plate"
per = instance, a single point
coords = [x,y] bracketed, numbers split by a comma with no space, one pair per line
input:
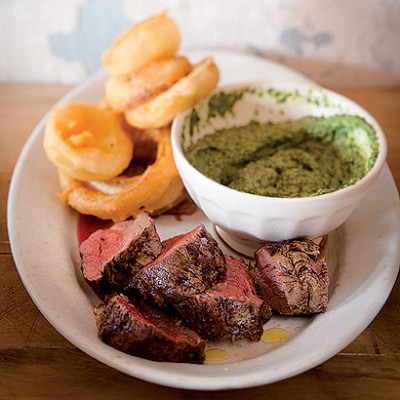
[363,258]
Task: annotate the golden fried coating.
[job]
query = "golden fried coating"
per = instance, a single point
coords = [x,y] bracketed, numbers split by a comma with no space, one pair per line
[146,41]
[130,90]
[108,167]
[161,110]
[87,142]
[156,190]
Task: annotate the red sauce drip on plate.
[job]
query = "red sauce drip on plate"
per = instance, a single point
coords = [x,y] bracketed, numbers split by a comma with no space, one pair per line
[87,224]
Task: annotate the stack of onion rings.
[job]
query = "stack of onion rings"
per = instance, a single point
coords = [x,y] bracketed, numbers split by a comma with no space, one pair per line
[148,85]
[148,82]
[158,189]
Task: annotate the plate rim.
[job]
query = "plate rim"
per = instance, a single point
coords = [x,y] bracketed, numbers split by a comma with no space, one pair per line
[165,379]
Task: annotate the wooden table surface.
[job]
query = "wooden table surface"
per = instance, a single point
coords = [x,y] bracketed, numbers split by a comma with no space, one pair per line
[36,362]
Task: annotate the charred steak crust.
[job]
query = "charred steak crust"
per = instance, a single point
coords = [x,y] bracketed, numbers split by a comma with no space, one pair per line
[188,264]
[143,331]
[292,276]
[111,257]
[230,309]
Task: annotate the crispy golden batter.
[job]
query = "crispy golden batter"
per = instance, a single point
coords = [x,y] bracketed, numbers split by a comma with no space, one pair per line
[161,110]
[92,146]
[130,90]
[87,142]
[146,41]
[158,189]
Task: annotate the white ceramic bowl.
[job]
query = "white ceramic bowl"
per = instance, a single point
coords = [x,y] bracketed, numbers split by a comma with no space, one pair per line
[252,217]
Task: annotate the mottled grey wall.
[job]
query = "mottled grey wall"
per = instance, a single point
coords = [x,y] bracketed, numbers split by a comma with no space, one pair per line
[342,42]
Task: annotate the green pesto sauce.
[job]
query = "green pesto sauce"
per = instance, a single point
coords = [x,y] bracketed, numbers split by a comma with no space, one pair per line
[222,103]
[307,157]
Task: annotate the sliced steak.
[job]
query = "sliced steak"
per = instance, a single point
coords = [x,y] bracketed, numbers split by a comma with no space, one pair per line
[230,310]
[146,332]
[188,264]
[111,257]
[292,276]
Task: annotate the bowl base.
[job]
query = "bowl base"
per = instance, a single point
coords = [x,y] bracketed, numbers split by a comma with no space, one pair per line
[244,247]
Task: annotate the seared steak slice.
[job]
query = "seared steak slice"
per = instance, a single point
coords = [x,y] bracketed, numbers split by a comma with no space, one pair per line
[146,332]
[111,257]
[292,276]
[188,264]
[230,310]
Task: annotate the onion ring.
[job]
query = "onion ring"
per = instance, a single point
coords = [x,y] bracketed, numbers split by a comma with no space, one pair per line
[87,142]
[129,90]
[146,41]
[158,189]
[184,94]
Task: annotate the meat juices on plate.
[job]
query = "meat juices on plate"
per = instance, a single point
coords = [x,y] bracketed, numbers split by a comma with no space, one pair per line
[149,283]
